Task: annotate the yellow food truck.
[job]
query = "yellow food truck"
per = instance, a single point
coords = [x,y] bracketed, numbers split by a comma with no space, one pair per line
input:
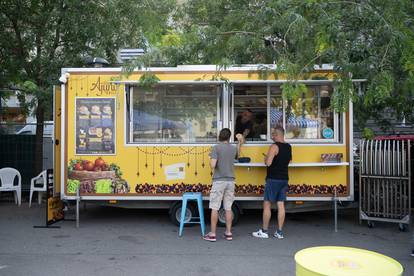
[133,145]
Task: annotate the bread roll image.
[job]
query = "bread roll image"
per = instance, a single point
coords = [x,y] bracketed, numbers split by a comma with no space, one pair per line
[95,110]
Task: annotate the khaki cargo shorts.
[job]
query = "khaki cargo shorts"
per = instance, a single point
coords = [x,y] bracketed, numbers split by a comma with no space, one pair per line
[222,191]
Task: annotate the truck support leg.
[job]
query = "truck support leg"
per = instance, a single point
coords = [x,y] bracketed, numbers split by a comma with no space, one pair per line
[77,206]
[335,202]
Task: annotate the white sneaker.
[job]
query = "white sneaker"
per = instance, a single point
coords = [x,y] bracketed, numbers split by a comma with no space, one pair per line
[278,234]
[260,234]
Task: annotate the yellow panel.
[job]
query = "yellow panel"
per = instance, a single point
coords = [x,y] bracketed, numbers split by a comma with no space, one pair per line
[171,170]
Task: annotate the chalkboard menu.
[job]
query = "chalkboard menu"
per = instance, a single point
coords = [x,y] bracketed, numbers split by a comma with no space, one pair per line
[95,126]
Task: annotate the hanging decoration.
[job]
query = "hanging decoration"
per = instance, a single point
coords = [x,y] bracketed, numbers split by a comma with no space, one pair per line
[161,153]
[146,158]
[195,162]
[203,164]
[137,161]
[188,158]
[195,152]
[153,161]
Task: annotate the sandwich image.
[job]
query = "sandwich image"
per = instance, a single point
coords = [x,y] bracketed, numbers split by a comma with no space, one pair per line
[95,110]
[107,110]
[83,110]
[107,134]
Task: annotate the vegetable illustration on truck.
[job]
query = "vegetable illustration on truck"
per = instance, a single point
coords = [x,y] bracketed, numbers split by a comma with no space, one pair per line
[95,177]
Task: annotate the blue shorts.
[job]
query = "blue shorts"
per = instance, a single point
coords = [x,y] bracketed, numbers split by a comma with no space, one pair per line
[275,190]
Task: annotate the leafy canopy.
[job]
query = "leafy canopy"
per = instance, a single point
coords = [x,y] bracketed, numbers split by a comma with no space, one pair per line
[371,40]
[38,38]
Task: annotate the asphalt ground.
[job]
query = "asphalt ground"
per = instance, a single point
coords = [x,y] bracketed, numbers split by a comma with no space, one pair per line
[114,241]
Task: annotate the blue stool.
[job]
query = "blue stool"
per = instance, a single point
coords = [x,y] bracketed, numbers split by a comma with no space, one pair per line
[199,198]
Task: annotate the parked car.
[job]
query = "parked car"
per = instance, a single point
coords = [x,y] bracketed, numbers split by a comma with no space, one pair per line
[30,129]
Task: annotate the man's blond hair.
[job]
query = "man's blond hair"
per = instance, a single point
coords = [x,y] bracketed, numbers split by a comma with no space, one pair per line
[279,131]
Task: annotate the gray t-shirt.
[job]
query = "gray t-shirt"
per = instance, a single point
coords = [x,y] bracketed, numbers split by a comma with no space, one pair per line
[225,154]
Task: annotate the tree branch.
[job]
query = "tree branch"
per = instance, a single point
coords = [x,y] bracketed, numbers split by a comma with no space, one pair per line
[385,54]
[290,25]
[56,41]
[366,6]
[240,32]
[309,63]
[17,32]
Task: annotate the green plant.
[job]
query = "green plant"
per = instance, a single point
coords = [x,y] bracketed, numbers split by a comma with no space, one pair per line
[291,90]
[148,80]
[368,133]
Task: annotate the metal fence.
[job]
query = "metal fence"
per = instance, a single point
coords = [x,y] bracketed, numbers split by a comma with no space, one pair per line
[385,181]
[17,149]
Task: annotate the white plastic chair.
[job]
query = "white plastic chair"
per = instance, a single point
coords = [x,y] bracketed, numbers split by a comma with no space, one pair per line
[7,176]
[38,189]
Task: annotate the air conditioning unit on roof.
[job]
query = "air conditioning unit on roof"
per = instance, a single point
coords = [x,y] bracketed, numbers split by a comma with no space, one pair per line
[129,54]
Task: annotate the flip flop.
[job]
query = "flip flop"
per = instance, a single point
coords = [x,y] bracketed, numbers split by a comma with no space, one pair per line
[228,237]
[210,238]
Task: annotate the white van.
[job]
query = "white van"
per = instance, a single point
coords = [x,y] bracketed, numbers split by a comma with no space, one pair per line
[48,128]
[30,129]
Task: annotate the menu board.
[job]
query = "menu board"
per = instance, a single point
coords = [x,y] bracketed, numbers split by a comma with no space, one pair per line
[95,126]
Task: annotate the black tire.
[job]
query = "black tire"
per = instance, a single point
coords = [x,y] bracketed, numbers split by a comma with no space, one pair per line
[222,218]
[370,224]
[175,213]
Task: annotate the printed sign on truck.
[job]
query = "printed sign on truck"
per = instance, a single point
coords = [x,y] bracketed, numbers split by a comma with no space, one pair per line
[95,126]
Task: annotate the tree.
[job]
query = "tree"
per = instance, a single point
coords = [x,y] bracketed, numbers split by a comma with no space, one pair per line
[39,37]
[372,40]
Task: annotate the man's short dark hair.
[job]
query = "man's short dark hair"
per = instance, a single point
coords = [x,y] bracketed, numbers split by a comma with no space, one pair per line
[224,135]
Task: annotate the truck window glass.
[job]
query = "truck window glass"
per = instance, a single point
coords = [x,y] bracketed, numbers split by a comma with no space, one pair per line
[310,116]
[250,112]
[175,113]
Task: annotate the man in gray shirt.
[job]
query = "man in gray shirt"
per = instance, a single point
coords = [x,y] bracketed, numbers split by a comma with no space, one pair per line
[222,162]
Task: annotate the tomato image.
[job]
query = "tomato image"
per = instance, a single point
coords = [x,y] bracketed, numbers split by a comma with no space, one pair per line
[88,166]
[99,162]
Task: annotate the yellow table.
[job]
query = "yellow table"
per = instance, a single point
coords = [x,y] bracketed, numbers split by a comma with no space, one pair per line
[344,261]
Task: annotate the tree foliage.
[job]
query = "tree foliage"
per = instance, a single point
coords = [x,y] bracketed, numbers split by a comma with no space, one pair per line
[39,37]
[371,40]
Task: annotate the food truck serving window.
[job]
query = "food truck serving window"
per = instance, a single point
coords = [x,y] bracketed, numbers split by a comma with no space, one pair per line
[174,113]
[306,118]
[250,111]
[310,116]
